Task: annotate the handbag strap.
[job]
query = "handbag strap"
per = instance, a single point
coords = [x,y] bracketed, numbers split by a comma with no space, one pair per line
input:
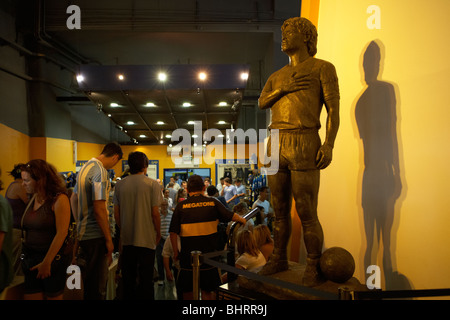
[24,213]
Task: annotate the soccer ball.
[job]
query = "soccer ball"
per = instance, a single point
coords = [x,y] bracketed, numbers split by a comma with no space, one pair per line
[337,264]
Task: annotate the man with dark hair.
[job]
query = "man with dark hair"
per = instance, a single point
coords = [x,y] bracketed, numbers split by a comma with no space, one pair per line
[264,204]
[89,204]
[213,192]
[136,209]
[296,95]
[229,192]
[112,149]
[195,220]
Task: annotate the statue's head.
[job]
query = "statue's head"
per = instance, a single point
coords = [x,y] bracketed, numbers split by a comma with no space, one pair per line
[305,27]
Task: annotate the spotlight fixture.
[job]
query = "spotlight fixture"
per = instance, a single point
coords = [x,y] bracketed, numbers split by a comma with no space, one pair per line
[80,78]
[150,104]
[222,104]
[187,104]
[162,76]
[160,123]
[113,104]
[142,136]
[202,76]
[120,77]
[130,123]
[244,76]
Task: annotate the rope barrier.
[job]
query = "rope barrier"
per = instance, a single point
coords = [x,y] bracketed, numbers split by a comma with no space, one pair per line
[273,281]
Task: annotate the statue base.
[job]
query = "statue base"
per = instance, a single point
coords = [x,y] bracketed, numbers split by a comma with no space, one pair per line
[295,275]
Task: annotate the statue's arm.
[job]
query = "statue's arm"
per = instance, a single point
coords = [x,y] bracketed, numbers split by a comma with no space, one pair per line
[331,99]
[325,153]
[272,93]
[269,96]
[333,120]
[268,99]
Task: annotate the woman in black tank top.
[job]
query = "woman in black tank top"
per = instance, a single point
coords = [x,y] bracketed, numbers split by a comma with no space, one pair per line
[45,224]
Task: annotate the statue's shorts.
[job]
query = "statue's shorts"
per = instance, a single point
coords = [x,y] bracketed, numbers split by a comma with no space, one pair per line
[297,149]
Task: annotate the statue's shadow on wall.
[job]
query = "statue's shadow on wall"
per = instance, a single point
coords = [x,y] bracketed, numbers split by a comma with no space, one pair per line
[382,184]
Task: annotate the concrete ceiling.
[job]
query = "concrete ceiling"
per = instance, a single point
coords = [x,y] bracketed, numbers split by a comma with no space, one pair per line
[133,33]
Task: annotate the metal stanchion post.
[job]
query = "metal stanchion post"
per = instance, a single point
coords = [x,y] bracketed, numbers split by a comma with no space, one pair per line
[195,255]
[345,293]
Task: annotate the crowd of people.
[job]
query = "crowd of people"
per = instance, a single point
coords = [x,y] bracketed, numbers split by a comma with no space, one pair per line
[150,220]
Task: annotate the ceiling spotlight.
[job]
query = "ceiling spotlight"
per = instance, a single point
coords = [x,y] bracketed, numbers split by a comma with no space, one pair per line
[161,141]
[109,115]
[150,104]
[168,136]
[80,78]
[221,122]
[194,136]
[130,122]
[121,77]
[222,104]
[191,122]
[244,75]
[113,104]
[186,104]
[162,76]
[202,76]
[142,136]
[160,123]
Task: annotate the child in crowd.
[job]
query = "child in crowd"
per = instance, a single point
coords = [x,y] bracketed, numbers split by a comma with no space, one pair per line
[263,240]
[250,257]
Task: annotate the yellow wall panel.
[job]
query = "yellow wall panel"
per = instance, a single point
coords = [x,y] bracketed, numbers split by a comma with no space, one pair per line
[385,196]
[60,154]
[14,149]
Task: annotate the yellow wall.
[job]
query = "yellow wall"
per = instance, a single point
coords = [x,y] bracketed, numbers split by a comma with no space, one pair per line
[413,41]
[165,161]
[60,153]
[14,149]
[17,147]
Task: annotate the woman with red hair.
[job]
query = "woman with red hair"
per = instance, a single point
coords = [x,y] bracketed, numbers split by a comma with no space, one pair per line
[45,225]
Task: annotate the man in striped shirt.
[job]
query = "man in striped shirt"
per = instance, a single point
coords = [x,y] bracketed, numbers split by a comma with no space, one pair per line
[89,205]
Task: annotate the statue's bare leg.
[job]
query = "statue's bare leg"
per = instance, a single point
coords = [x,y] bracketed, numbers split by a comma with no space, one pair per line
[281,199]
[305,188]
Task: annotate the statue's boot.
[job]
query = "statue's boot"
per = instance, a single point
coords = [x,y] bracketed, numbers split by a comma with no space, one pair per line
[277,262]
[312,276]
